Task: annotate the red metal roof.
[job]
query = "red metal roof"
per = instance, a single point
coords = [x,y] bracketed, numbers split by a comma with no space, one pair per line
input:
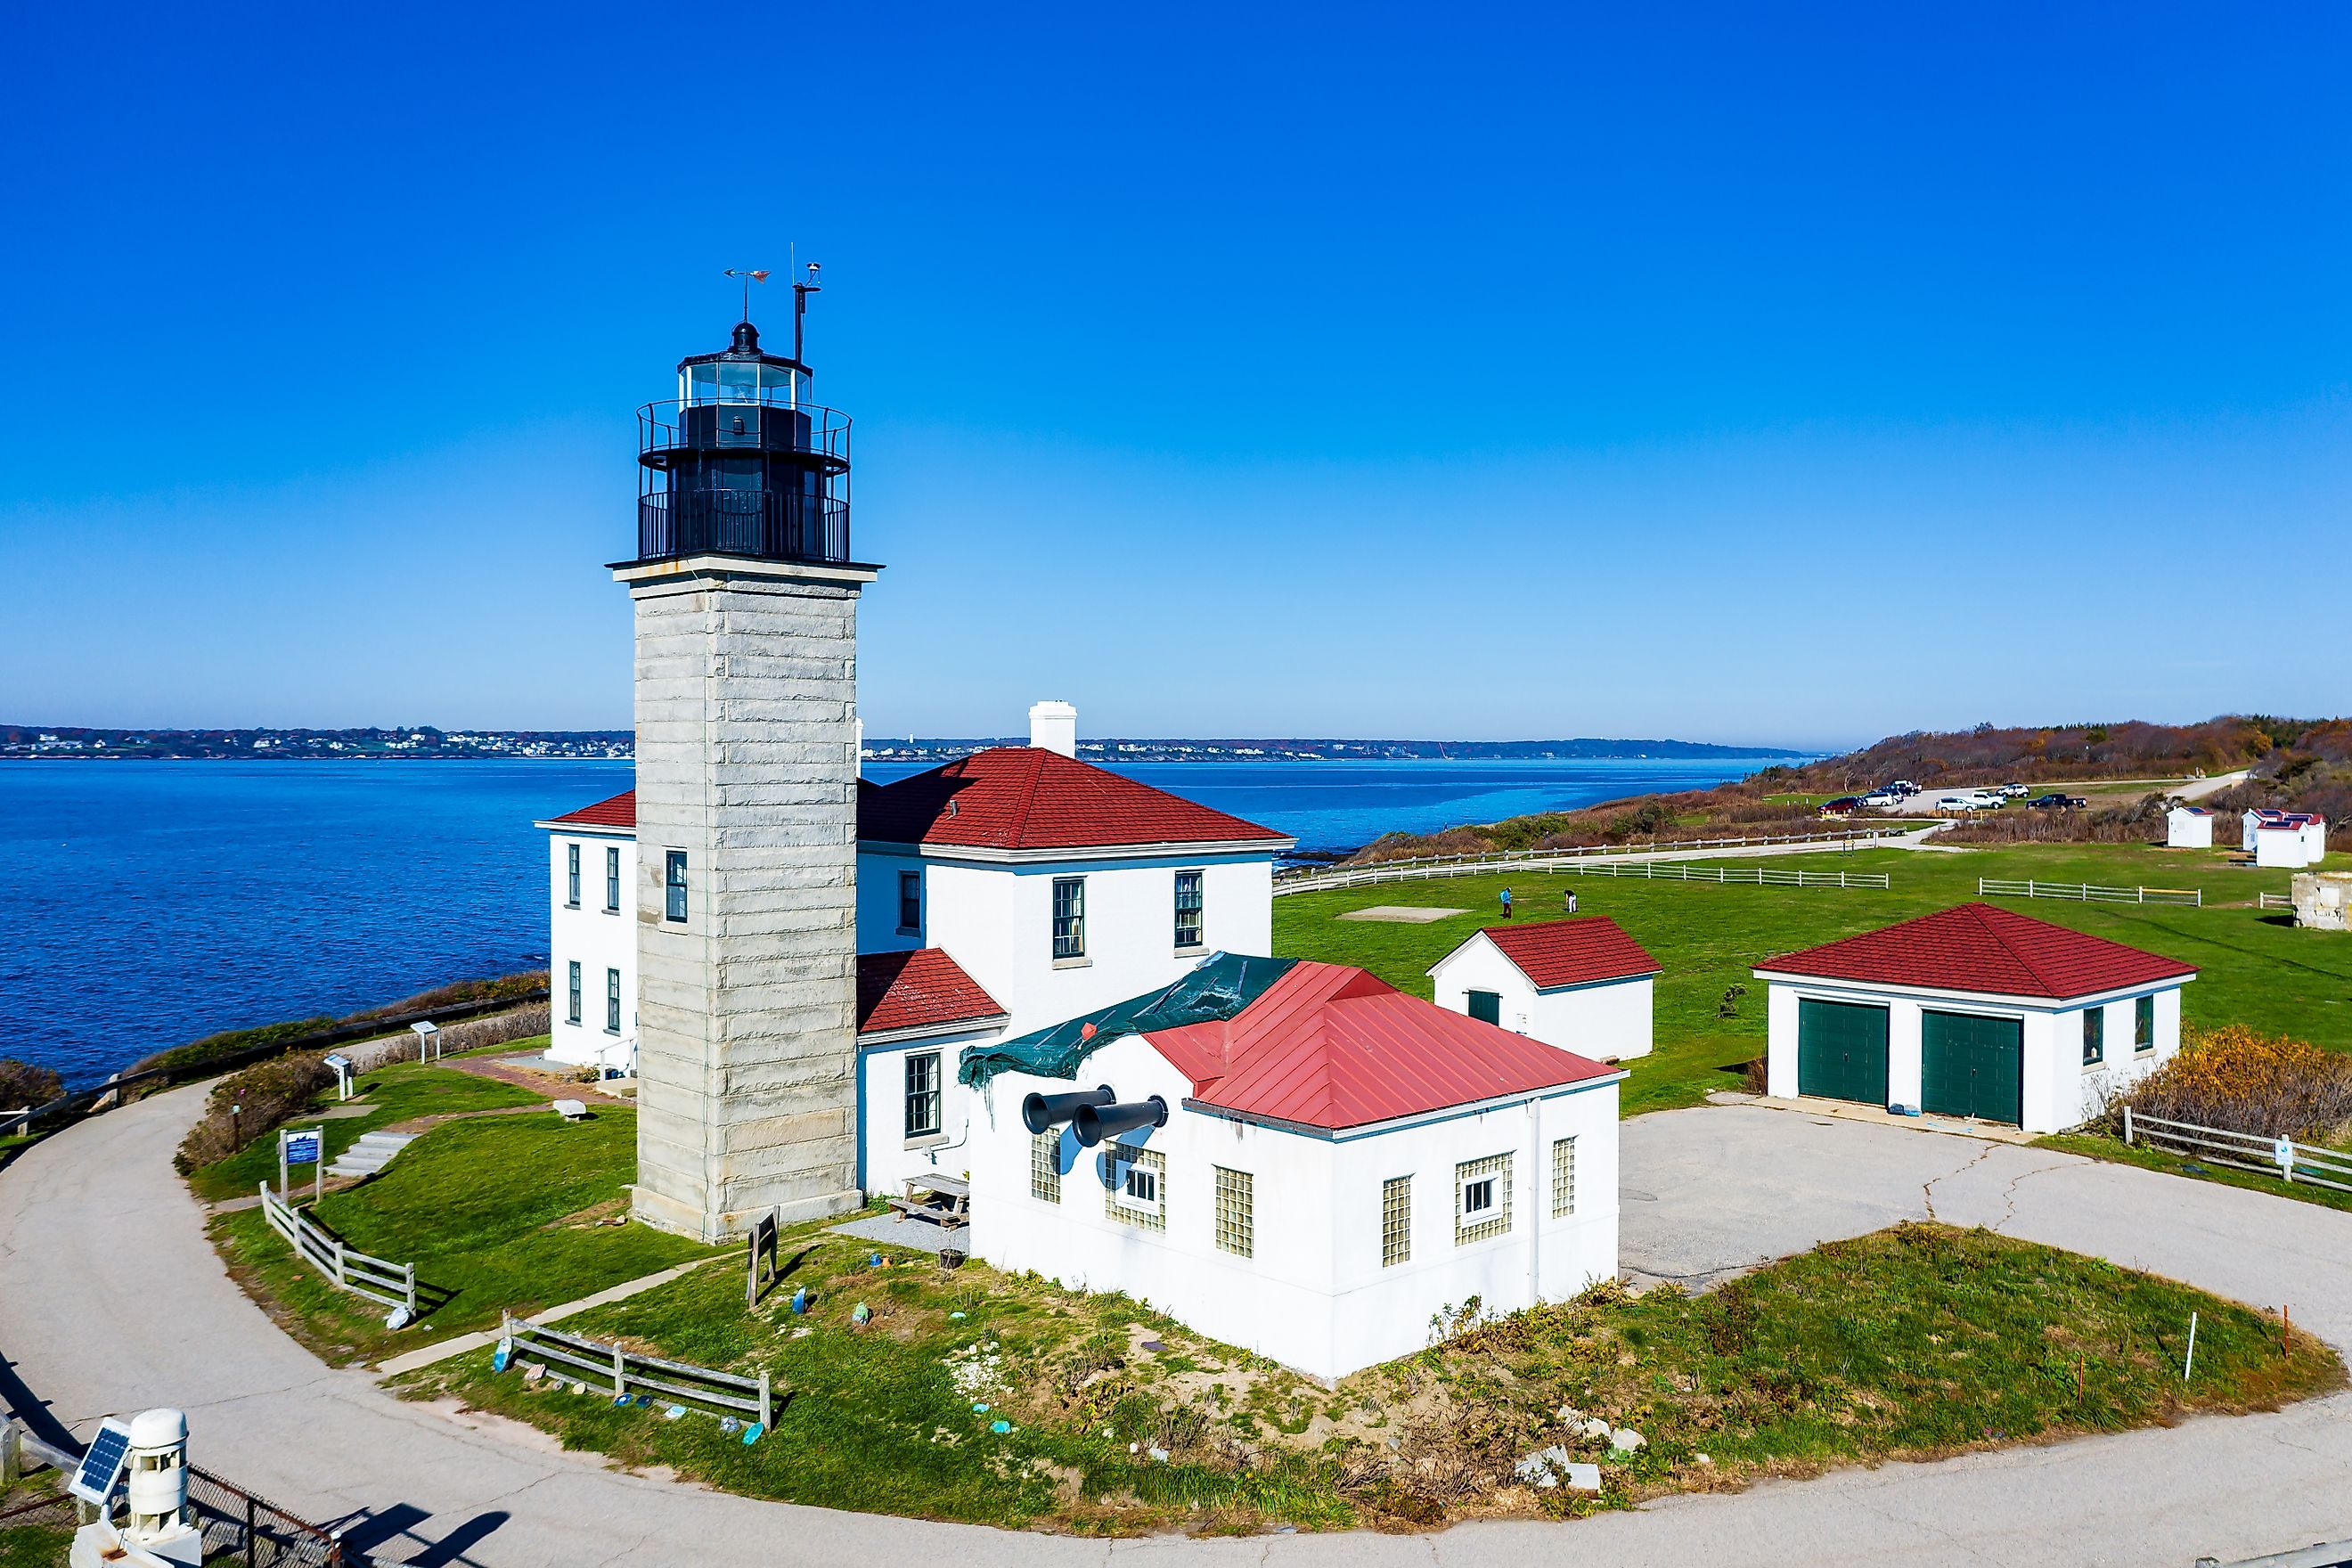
[1571,952]
[1332,1046]
[922,989]
[1980,948]
[620,811]
[1025,797]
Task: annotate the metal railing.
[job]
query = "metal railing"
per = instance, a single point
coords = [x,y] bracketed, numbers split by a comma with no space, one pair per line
[377,1278]
[2087,892]
[740,425]
[2281,1157]
[624,1371]
[234,1521]
[774,525]
[1421,867]
[1760,875]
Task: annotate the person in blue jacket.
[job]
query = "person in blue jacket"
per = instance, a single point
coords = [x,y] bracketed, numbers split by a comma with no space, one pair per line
[1507,903]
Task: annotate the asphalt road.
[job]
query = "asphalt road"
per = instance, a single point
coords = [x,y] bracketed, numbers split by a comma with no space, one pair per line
[111,1300]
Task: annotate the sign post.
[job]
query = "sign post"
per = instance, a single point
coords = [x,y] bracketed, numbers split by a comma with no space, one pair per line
[428,1038]
[301,1149]
[342,1065]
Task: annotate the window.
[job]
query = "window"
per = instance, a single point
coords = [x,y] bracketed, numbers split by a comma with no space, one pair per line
[911,901]
[1486,1007]
[1236,1212]
[1046,1166]
[2144,1023]
[571,876]
[612,1000]
[611,879]
[1482,1199]
[1188,908]
[1069,917]
[1563,1177]
[675,879]
[571,1013]
[1396,1221]
[2094,1035]
[1134,1186]
[922,1093]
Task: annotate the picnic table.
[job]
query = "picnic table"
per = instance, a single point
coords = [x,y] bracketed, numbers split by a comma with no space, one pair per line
[936,1196]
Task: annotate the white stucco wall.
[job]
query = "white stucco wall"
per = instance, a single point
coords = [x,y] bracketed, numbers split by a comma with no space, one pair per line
[2185,829]
[1607,1021]
[598,938]
[1314,1295]
[2059,1090]
[886,1155]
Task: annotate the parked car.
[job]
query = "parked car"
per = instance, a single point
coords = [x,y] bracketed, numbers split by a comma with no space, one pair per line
[1974,800]
[2054,802]
[1882,799]
[2012,792]
[1843,805]
[1904,786]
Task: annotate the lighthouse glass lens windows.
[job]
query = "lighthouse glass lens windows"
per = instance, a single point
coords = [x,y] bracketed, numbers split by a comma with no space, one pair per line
[674,886]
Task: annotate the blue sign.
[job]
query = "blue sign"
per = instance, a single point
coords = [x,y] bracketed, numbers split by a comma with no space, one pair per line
[302,1148]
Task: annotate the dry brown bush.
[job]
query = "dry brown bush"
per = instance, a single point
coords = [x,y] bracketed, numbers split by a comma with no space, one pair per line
[271,1094]
[2234,1078]
[22,1085]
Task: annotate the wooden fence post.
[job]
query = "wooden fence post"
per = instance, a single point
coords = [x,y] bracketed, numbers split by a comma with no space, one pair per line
[2127,1126]
[619,1374]
[410,1270]
[767,1412]
[340,1278]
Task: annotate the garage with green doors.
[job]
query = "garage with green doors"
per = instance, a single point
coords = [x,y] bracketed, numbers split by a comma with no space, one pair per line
[1841,1050]
[1972,1064]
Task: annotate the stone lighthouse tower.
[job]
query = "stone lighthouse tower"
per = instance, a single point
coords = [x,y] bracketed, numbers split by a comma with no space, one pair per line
[746,601]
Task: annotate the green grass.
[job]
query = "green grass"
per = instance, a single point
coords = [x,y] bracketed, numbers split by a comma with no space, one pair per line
[1913,1343]
[40,1539]
[2100,1146]
[395,1093]
[2254,968]
[499,1211]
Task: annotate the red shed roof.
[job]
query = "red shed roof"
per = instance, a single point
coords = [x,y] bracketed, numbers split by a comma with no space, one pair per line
[1025,797]
[619,811]
[1980,948]
[922,989]
[1571,952]
[1332,1046]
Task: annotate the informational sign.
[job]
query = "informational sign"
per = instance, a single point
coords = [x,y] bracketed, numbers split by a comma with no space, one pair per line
[760,1261]
[101,1467]
[302,1148]
[2283,1150]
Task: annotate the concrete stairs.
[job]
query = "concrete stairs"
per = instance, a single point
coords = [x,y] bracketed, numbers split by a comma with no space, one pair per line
[371,1153]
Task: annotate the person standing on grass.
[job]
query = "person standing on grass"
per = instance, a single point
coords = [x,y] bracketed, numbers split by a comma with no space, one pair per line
[1507,903]
[1570,900]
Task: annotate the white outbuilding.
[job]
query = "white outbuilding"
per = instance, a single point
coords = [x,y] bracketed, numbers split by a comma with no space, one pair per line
[1581,985]
[1296,1158]
[2188,827]
[1975,1012]
[2293,840]
[592,935]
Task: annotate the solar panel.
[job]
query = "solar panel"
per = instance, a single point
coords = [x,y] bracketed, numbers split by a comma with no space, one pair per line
[101,1467]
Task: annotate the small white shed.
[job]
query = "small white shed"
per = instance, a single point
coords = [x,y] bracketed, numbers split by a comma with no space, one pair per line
[2282,845]
[1581,985]
[2309,828]
[2188,827]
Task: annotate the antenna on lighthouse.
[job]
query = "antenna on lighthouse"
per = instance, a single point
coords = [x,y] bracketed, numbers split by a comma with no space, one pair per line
[801,291]
[749,275]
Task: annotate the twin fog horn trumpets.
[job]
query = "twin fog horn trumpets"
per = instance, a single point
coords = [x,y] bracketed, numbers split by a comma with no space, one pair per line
[1094,1114]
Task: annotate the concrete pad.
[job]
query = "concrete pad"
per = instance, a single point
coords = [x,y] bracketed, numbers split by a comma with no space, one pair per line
[1402,914]
[919,1234]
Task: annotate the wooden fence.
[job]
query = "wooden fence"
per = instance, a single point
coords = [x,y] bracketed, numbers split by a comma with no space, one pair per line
[2274,900]
[2087,893]
[1759,876]
[377,1278]
[625,1372]
[1423,867]
[2281,1157]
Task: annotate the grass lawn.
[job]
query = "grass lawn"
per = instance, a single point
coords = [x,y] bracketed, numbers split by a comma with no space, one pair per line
[501,1212]
[35,1539]
[2100,1146]
[1913,1342]
[393,1093]
[2254,968]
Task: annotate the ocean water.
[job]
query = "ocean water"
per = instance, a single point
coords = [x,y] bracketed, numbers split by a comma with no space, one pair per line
[143,905]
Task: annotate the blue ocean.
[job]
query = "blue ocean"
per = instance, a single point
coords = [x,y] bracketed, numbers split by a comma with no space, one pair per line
[147,904]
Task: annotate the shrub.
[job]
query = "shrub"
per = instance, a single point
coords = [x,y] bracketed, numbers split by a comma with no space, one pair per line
[22,1085]
[272,1093]
[2272,1086]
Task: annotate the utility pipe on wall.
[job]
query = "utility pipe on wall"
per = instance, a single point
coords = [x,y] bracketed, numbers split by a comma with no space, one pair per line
[1536,1205]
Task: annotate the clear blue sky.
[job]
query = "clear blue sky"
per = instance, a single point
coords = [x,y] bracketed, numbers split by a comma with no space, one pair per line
[1779,374]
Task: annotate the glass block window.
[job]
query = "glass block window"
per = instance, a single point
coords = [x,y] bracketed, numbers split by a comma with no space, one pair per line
[673,881]
[1134,1186]
[1046,1166]
[1188,908]
[1482,1199]
[1563,1177]
[1237,1213]
[571,870]
[1396,1221]
[1069,917]
[571,1012]
[2144,1023]
[922,1093]
[612,880]
[2094,1035]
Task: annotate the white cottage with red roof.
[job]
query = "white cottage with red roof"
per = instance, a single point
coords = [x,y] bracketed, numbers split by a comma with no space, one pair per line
[1975,1011]
[1581,985]
[592,935]
[1313,1172]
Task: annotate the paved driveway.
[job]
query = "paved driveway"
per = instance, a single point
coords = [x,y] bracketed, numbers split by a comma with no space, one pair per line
[110,1301]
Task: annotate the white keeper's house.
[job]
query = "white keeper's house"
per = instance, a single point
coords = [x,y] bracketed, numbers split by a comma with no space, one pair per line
[1581,985]
[1975,1011]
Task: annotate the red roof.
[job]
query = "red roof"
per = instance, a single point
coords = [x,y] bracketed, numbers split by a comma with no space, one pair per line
[620,811]
[1571,952]
[1025,797]
[922,989]
[1979,948]
[1328,1045]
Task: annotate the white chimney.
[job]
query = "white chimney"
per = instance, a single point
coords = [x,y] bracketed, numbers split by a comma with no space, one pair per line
[1053,727]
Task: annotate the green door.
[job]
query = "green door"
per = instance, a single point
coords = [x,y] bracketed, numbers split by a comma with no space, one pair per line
[1970,1065]
[1842,1051]
[1486,1007]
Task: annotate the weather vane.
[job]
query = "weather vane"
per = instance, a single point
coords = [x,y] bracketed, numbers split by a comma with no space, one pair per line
[749,275]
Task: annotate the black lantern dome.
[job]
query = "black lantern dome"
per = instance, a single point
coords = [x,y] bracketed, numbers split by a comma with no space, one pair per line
[744,462]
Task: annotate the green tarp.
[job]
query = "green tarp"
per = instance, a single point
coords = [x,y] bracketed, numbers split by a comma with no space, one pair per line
[1222,986]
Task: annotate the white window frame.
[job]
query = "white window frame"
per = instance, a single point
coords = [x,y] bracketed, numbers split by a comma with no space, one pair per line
[571,876]
[1476,1213]
[936,1094]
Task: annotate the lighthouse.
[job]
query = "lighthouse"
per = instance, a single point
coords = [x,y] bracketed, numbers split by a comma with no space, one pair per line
[746,677]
